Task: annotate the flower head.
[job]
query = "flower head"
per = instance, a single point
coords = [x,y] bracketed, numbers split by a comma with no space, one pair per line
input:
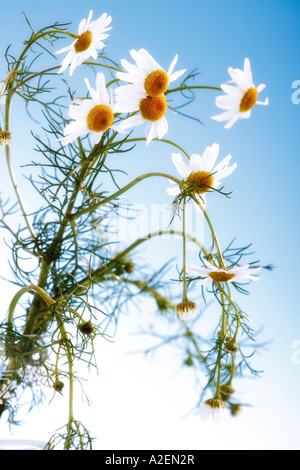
[202,175]
[90,39]
[237,274]
[185,309]
[91,116]
[214,409]
[240,99]
[147,83]
[5,137]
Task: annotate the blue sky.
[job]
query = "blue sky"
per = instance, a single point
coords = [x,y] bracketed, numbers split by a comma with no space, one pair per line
[264,207]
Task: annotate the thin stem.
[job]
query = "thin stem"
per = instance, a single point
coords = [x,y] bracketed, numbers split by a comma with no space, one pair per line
[184,224]
[193,87]
[102,271]
[123,190]
[213,233]
[18,194]
[143,139]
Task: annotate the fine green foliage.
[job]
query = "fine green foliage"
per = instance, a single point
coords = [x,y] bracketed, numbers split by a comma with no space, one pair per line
[80,280]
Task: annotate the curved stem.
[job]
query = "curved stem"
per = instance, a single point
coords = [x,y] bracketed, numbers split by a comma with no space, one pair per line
[8,85]
[37,290]
[213,233]
[18,193]
[49,301]
[123,190]
[166,141]
[193,87]
[98,274]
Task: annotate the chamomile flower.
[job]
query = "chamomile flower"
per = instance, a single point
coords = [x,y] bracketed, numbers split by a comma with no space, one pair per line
[214,409]
[238,274]
[240,99]
[144,94]
[90,39]
[91,116]
[147,74]
[201,175]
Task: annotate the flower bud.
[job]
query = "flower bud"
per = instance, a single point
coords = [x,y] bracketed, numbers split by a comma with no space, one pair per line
[86,328]
[231,347]
[58,386]
[129,267]
[235,409]
[189,361]
[226,391]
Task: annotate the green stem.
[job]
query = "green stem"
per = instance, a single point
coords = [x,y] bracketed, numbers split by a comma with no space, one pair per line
[213,233]
[193,87]
[99,273]
[184,223]
[142,139]
[37,290]
[123,190]
[49,301]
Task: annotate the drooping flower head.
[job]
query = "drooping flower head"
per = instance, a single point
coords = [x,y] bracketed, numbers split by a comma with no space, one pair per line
[214,409]
[5,137]
[91,116]
[212,273]
[201,175]
[90,39]
[147,83]
[185,309]
[240,99]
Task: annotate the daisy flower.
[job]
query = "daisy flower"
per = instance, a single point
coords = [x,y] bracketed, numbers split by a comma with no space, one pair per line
[91,116]
[214,409]
[147,83]
[238,274]
[90,39]
[240,99]
[202,175]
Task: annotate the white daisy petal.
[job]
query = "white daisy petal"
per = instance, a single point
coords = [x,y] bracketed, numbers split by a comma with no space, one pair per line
[132,121]
[173,191]
[181,167]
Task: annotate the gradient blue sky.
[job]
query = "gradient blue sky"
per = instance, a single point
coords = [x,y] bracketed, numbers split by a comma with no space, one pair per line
[264,207]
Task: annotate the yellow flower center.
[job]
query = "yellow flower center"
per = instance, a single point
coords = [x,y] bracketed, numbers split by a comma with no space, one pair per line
[200,181]
[156,83]
[100,118]
[249,100]
[221,276]
[153,108]
[83,42]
